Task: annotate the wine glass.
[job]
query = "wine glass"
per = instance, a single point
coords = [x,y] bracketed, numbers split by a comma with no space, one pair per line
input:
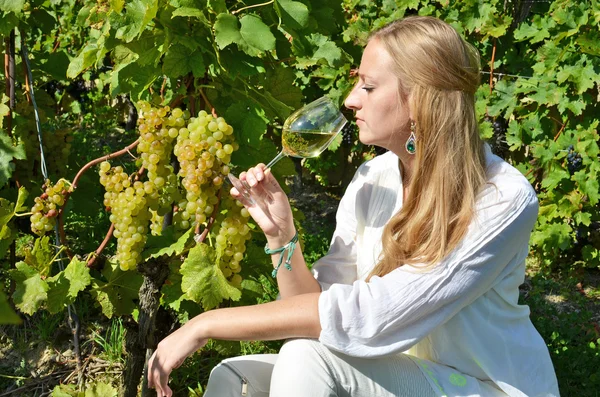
[306,133]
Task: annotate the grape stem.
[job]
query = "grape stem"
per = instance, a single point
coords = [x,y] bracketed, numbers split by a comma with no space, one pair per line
[101,247]
[207,102]
[211,221]
[61,210]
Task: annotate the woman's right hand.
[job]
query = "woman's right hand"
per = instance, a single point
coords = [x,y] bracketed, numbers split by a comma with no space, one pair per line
[267,204]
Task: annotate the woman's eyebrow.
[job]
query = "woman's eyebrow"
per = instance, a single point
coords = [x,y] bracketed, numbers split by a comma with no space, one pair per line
[364,76]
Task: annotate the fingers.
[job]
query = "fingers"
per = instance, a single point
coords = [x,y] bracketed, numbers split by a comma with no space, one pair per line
[158,377]
[253,176]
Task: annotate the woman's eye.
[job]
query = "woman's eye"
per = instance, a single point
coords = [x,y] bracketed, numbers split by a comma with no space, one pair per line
[368,89]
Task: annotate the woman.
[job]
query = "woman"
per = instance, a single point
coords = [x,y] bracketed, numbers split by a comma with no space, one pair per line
[418,293]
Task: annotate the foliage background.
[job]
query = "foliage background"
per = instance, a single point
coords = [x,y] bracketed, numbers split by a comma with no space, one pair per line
[254,62]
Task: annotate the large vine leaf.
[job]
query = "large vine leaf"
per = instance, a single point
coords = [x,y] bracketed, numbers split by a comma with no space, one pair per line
[166,244]
[8,152]
[64,287]
[202,278]
[116,295]
[7,314]
[30,291]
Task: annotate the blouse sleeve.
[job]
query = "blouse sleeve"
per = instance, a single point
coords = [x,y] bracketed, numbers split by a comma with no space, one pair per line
[390,314]
[339,265]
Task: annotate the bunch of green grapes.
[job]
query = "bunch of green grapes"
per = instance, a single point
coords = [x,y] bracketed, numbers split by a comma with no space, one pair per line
[57,147]
[129,213]
[56,143]
[158,128]
[47,205]
[231,240]
[203,150]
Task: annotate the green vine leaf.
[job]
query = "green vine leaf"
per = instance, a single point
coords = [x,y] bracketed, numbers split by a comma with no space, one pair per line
[256,34]
[280,83]
[4,109]
[64,287]
[293,14]
[166,244]
[202,278]
[138,14]
[116,295]
[41,255]
[191,12]
[588,184]
[8,152]
[172,294]
[7,314]
[227,30]
[15,6]
[179,62]
[30,291]
[86,58]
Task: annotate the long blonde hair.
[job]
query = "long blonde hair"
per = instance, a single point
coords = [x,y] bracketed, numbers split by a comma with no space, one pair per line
[438,73]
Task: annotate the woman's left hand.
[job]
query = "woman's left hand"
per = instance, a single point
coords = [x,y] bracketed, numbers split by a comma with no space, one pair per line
[170,354]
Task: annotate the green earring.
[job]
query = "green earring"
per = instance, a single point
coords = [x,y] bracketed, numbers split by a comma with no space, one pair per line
[411,142]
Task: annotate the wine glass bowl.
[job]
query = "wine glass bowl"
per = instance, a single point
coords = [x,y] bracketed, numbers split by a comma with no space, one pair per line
[306,133]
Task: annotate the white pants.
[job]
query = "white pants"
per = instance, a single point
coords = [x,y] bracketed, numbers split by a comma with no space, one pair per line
[306,368]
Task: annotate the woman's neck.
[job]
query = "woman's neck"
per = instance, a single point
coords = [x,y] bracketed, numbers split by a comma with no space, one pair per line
[406,168]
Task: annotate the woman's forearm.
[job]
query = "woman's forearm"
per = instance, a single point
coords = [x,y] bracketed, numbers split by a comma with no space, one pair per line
[297,281]
[295,317]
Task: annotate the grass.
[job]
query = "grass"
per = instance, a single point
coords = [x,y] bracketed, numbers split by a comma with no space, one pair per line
[112,342]
[567,316]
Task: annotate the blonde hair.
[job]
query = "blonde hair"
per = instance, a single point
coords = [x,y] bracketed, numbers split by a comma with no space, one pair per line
[438,74]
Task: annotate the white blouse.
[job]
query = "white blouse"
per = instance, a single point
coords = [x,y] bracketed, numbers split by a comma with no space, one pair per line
[461,323]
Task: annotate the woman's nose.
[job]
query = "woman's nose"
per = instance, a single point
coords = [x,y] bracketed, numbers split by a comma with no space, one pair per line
[352,100]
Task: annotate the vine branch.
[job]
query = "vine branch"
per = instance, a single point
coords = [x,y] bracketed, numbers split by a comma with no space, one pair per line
[492,67]
[252,6]
[61,210]
[102,245]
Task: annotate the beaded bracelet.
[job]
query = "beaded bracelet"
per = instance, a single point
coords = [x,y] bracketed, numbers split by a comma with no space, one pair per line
[290,247]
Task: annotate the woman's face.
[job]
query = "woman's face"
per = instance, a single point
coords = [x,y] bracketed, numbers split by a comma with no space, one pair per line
[382,118]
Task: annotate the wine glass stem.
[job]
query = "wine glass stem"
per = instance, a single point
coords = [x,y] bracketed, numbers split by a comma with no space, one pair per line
[276,159]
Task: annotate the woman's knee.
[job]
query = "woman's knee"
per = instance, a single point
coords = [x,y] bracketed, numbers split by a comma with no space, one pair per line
[233,376]
[302,362]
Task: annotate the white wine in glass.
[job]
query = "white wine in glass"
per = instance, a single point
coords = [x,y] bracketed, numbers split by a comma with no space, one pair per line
[306,133]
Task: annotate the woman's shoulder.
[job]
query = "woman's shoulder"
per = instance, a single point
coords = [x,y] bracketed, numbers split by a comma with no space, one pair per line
[505,182]
[385,162]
